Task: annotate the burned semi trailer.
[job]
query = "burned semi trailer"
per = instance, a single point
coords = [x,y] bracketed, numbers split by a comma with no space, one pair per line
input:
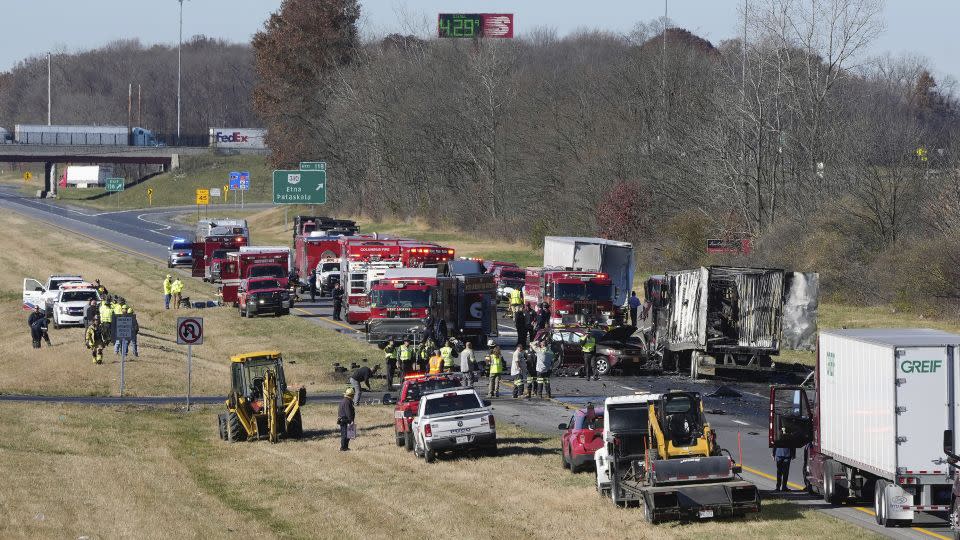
[728,318]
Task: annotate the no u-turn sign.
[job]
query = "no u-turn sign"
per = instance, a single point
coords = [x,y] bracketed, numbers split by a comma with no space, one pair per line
[190,331]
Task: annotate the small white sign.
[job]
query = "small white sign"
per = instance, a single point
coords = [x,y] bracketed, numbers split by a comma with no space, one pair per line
[215,192]
[124,326]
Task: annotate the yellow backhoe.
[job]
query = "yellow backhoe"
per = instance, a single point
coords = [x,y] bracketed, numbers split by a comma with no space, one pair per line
[260,405]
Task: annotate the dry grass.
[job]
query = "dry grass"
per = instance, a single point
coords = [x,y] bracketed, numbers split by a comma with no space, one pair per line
[111,472]
[66,368]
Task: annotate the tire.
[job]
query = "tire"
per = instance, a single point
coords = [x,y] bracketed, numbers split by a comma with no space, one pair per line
[429,455]
[222,426]
[408,440]
[563,459]
[398,438]
[953,518]
[832,494]
[601,366]
[492,450]
[242,312]
[235,432]
[880,503]
[295,427]
[285,312]
[278,313]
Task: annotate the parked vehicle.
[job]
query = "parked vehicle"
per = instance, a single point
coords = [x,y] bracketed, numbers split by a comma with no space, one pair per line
[253,263]
[263,295]
[309,251]
[180,253]
[877,420]
[575,298]
[610,257]
[364,261]
[582,437]
[508,277]
[71,303]
[408,402]
[417,254]
[328,275]
[453,420]
[659,451]
[617,349]
[37,294]
[306,225]
[212,235]
[731,319]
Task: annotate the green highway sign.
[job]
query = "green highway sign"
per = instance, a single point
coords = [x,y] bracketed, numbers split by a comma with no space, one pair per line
[300,187]
[313,165]
[114,184]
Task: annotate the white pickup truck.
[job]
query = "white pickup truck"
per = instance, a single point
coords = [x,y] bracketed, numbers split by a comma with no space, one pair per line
[36,294]
[453,420]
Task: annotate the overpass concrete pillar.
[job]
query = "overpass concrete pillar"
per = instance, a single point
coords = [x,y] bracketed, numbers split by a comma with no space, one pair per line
[50,179]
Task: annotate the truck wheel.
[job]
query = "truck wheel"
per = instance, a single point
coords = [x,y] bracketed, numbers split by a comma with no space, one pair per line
[832,494]
[492,450]
[222,426]
[952,518]
[398,438]
[408,440]
[880,502]
[241,311]
[563,459]
[235,432]
[429,455]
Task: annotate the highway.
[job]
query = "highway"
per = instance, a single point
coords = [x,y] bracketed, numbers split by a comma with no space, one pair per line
[741,421]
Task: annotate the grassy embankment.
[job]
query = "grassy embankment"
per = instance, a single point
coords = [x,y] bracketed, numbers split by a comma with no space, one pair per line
[66,367]
[112,472]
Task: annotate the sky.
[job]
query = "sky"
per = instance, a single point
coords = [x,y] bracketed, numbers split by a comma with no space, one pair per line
[925,28]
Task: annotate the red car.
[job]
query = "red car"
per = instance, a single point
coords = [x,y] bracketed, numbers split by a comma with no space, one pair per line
[414,384]
[582,436]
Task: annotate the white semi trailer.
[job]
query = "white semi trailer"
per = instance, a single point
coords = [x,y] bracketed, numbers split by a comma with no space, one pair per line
[875,419]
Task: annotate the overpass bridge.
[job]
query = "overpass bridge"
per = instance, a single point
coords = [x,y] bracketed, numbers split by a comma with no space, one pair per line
[168,157]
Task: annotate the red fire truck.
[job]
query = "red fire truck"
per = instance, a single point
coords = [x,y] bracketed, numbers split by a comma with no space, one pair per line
[204,248]
[241,266]
[415,254]
[362,262]
[575,298]
[309,250]
[459,305]
[508,277]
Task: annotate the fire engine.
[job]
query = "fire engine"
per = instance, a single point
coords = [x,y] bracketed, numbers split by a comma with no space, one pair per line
[244,265]
[414,254]
[575,298]
[363,261]
[310,250]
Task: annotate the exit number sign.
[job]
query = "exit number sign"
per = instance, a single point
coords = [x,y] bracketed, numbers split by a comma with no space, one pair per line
[475,25]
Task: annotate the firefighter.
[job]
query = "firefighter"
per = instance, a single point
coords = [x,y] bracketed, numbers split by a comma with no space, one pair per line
[38,327]
[406,358]
[106,317]
[496,371]
[531,359]
[516,300]
[313,285]
[436,362]
[543,316]
[520,322]
[100,288]
[423,355]
[90,312]
[446,352]
[544,367]
[176,289]
[337,295]
[390,359]
[167,291]
[518,370]
[94,340]
[589,346]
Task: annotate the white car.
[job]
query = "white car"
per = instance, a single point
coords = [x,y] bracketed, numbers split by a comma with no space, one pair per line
[327,275]
[36,294]
[453,420]
[624,417]
[72,302]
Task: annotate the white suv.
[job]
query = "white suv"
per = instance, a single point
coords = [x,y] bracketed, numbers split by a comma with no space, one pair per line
[453,420]
[72,302]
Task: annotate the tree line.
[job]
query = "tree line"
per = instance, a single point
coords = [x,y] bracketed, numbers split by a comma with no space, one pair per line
[91,87]
[788,135]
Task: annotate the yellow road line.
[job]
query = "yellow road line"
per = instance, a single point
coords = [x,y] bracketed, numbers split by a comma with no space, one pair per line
[331,321]
[920,530]
[768,477]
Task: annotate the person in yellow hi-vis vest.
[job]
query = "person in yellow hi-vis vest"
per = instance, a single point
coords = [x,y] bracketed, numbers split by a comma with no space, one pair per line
[446,352]
[436,362]
[516,300]
[176,289]
[496,371]
[589,347]
[167,283]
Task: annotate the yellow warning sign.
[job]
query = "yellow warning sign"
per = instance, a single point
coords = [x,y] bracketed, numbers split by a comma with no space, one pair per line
[203,196]
[28,176]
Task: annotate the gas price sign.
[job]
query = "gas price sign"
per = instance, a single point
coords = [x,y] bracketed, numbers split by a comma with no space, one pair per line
[475,25]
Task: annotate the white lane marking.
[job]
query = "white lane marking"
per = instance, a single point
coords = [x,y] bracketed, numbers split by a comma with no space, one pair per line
[628,388]
[741,422]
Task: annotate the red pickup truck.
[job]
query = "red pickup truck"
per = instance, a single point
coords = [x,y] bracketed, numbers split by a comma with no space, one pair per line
[414,385]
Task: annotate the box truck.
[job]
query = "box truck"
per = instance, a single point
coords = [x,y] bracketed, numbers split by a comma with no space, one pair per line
[610,257]
[875,419]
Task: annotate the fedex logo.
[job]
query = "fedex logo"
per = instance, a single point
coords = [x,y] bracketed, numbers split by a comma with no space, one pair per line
[235,137]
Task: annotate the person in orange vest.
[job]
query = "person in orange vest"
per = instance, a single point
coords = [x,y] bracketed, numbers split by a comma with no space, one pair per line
[436,362]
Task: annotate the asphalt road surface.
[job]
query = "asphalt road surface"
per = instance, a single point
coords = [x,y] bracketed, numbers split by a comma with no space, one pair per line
[741,422]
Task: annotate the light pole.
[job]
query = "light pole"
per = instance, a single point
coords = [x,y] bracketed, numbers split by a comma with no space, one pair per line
[48,89]
[179,46]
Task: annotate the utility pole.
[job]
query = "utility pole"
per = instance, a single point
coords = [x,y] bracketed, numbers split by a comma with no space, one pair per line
[139,122]
[48,88]
[179,46]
